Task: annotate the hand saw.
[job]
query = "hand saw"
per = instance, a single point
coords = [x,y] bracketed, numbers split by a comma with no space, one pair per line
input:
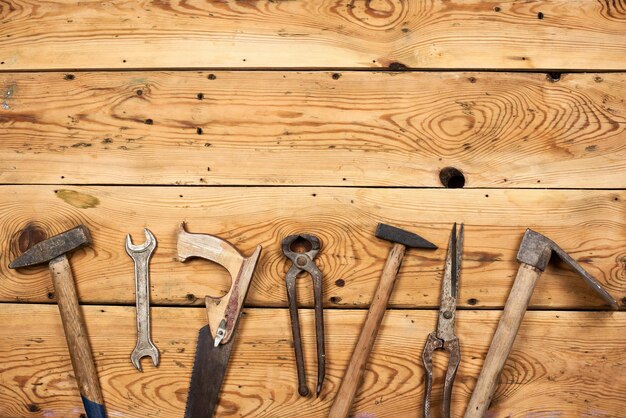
[215,340]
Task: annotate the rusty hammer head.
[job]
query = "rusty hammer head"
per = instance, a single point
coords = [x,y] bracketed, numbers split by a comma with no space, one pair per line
[536,250]
[400,236]
[58,245]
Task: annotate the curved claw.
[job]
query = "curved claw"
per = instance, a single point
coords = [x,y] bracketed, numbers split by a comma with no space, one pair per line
[141,352]
[148,245]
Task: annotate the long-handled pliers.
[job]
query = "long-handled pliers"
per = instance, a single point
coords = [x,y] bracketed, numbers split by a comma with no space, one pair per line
[443,338]
[303,261]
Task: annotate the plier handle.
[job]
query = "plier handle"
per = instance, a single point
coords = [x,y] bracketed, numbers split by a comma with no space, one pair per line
[444,338]
[304,261]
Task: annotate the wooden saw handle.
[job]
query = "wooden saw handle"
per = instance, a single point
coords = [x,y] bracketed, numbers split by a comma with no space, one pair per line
[240,268]
[358,361]
[76,336]
[503,340]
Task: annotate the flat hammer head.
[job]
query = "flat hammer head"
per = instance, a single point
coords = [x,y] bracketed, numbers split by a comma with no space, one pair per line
[406,238]
[45,251]
[536,250]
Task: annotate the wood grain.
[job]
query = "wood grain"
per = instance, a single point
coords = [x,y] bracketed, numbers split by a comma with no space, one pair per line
[296,128]
[557,361]
[567,34]
[589,225]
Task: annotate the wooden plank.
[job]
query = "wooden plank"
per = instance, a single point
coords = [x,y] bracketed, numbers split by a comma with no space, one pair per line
[590,225]
[567,34]
[351,128]
[556,361]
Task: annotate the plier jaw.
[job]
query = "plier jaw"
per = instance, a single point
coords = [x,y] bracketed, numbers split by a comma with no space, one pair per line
[304,261]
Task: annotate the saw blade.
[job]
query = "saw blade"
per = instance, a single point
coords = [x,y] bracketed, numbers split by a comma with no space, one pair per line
[209,368]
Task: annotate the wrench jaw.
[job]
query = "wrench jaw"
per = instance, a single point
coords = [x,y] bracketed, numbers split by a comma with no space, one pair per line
[148,245]
[141,351]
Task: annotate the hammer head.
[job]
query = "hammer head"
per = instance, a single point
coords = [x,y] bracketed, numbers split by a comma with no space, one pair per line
[406,238]
[536,250]
[48,250]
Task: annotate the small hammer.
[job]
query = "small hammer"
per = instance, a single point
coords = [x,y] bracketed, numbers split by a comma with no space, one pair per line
[358,361]
[53,251]
[534,254]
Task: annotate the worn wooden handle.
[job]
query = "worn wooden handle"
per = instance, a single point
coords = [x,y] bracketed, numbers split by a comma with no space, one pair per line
[76,336]
[240,268]
[503,340]
[358,361]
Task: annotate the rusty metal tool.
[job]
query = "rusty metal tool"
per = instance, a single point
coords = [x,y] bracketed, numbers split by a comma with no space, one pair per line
[54,252]
[215,340]
[305,262]
[534,254]
[141,255]
[444,338]
[352,378]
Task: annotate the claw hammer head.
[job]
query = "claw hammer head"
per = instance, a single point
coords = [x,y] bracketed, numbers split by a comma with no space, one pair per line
[58,245]
[400,236]
[536,250]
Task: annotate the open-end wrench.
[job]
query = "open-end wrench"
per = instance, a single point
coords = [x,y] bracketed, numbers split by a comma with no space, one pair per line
[141,256]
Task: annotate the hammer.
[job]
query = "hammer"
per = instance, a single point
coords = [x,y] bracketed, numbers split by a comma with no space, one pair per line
[358,361]
[534,254]
[53,251]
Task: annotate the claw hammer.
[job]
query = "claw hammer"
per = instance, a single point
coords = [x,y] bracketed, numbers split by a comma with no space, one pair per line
[352,379]
[53,251]
[534,254]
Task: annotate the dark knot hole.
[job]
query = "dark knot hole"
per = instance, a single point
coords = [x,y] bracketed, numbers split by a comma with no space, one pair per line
[452,178]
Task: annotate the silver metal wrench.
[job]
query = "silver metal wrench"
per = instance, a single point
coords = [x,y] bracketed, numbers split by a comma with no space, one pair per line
[141,255]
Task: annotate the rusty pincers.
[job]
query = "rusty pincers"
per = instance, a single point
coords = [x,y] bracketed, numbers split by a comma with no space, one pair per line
[304,261]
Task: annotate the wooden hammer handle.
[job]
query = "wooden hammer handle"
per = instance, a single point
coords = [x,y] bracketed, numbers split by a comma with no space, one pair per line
[358,361]
[76,336]
[503,340]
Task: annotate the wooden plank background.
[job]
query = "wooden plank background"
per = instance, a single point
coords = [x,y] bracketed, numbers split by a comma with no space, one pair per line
[568,363]
[337,128]
[343,218]
[568,34]
[253,120]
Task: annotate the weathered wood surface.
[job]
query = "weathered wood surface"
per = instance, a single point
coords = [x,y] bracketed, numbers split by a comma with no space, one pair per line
[567,363]
[297,128]
[589,225]
[569,34]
